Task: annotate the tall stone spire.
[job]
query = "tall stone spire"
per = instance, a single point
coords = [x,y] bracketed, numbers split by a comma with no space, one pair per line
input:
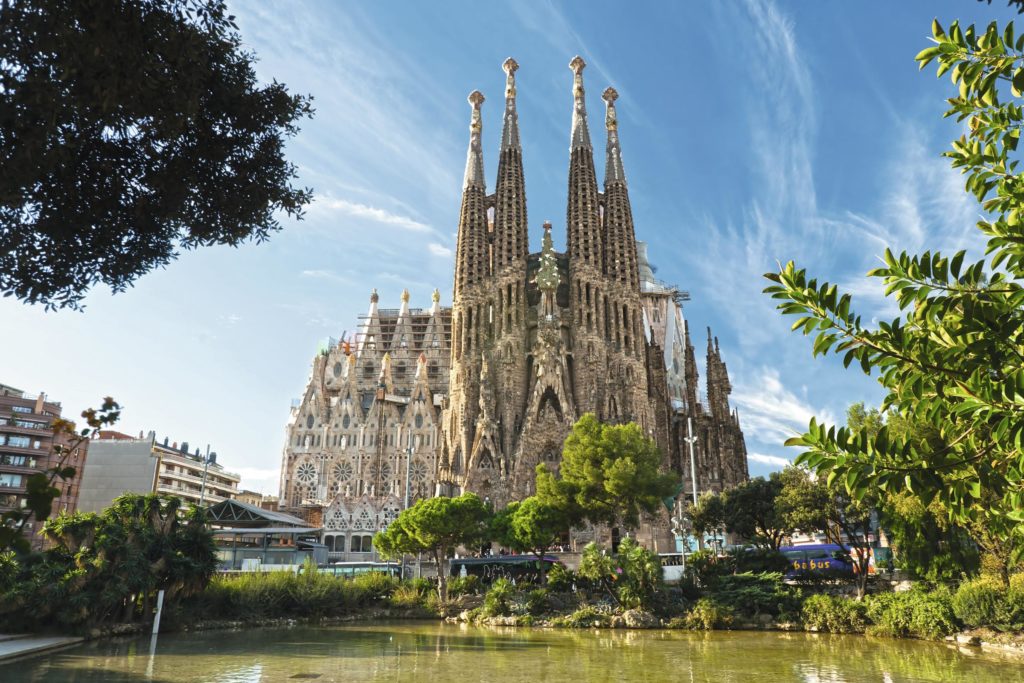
[613,171]
[471,258]
[580,133]
[510,227]
[719,387]
[620,257]
[510,131]
[475,156]
[583,213]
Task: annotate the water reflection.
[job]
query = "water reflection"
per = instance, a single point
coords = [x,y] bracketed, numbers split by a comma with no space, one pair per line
[439,653]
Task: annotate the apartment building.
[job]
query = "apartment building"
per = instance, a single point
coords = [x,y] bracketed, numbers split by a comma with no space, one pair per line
[121,463]
[27,443]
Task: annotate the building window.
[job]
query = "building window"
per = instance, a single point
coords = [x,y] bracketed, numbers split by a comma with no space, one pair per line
[362,544]
[21,409]
[17,460]
[18,441]
[11,480]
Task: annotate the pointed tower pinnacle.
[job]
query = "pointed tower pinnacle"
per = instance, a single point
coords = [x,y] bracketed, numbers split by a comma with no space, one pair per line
[583,219]
[613,170]
[510,239]
[475,156]
[471,256]
[580,134]
[510,131]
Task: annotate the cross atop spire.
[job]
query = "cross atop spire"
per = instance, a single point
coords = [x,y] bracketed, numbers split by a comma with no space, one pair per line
[580,134]
[475,156]
[510,131]
[613,169]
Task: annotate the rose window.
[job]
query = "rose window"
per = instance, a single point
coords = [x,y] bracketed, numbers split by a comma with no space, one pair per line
[306,473]
[343,471]
[383,471]
[419,471]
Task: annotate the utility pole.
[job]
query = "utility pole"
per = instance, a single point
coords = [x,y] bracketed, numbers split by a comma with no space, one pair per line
[206,468]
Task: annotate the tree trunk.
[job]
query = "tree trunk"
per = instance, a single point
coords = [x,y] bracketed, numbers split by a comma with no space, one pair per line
[441,557]
[543,567]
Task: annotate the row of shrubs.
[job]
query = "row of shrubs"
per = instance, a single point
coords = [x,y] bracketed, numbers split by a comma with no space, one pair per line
[571,601]
[922,613]
[308,594]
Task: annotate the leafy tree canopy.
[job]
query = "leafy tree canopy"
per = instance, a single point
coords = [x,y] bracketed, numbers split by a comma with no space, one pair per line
[609,474]
[954,360]
[750,510]
[707,514]
[436,526]
[130,129]
[531,526]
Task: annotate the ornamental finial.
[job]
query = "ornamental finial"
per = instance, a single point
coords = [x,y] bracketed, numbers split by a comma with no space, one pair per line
[577,64]
[374,297]
[436,296]
[510,66]
[609,96]
[405,296]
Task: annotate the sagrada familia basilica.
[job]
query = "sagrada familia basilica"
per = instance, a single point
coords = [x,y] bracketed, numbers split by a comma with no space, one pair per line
[471,398]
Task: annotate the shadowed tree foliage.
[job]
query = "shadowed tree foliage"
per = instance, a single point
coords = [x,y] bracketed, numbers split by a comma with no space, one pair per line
[750,510]
[609,474]
[954,359]
[130,129]
[437,526]
[708,514]
[531,526]
[106,568]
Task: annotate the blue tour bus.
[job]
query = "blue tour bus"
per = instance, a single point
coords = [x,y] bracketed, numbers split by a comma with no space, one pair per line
[818,558]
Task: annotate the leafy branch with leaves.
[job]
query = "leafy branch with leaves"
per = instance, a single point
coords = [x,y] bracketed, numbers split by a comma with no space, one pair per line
[954,359]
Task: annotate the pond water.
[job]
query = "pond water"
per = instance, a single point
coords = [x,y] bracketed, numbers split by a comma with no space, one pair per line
[442,653]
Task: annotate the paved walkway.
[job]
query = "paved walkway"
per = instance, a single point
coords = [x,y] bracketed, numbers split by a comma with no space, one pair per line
[15,646]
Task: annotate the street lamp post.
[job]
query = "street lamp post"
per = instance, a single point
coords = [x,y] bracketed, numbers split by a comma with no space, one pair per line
[206,468]
[690,439]
[409,450]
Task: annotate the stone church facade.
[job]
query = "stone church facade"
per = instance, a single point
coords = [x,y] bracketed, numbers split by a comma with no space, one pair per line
[473,397]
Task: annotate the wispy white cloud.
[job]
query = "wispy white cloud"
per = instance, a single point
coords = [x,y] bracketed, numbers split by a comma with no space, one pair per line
[439,250]
[320,274]
[772,460]
[371,213]
[769,411]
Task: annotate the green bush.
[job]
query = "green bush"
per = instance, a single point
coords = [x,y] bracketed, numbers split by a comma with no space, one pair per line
[537,602]
[706,566]
[560,579]
[408,596]
[464,585]
[497,601]
[916,613]
[979,602]
[1012,616]
[835,614]
[753,594]
[709,614]
[584,617]
[374,586]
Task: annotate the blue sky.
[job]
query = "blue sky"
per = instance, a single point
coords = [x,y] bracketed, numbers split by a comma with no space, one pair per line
[752,132]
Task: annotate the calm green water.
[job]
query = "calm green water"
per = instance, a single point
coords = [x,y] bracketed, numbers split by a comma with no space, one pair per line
[440,653]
